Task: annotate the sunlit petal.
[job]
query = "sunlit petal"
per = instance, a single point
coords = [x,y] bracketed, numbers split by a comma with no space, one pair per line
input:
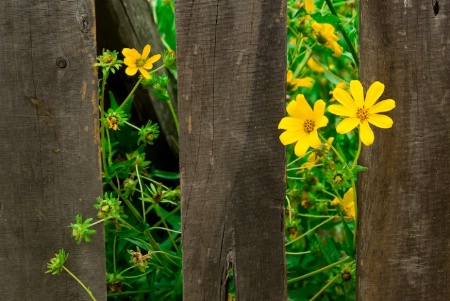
[289,123]
[344,99]
[366,134]
[289,137]
[357,91]
[304,107]
[347,125]
[313,139]
[293,109]
[348,203]
[309,6]
[381,121]
[322,122]
[289,76]
[144,73]
[154,58]
[341,110]
[374,92]
[130,62]
[382,106]
[146,52]
[300,148]
[131,52]
[319,110]
[131,71]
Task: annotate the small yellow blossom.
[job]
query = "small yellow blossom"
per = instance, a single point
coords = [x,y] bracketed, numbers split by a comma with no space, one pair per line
[295,83]
[309,6]
[348,203]
[293,41]
[324,34]
[302,126]
[315,66]
[112,123]
[360,111]
[135,61]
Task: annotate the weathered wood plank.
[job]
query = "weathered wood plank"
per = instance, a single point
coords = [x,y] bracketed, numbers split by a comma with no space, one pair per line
[231,66]
[403,245]
[49,146]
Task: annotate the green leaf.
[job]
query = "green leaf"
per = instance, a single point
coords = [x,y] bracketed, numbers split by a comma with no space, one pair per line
[113,101]
[168,175]
[328,18]
[349,246]
[300,13]
[359,168]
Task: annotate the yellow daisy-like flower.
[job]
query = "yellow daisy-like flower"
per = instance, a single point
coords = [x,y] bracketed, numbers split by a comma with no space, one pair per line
[314,158]
[315,66]
[302,126]
[360,111]
[342,85]
[295,83]
[324,34]
[135,61]
[309,6]
[348,203]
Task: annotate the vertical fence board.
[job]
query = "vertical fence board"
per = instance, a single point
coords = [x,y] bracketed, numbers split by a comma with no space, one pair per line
[231,64]
[403,244]
[49,146]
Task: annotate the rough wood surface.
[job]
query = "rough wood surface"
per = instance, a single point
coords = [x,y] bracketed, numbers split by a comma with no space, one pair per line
[231,67]
[129,23]
[49,146]
[403,245]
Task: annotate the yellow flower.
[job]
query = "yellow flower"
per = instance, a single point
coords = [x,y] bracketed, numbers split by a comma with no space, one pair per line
[295,83]
[309,6]
[348,203]
[315,66]
[302,126]
[324,34]
[360,111]
[135,61]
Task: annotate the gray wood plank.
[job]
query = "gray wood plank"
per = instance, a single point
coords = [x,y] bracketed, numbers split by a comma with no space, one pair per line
[50,169]
[403,244]
[231,92]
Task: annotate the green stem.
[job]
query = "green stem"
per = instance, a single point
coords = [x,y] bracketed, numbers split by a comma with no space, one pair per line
[142,194]
[114,253]
[325,287]
[319,270]
[81,283]
[132,208]
[312,229]
[298,253]
[314,216]
[168,215]
[97,222]
[303,167]
[358,152]
[132,125]
[132,92]
[161,228]
[344,33]
[102,124]
[174,115]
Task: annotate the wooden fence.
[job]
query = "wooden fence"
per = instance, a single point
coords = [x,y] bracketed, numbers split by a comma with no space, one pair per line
[231,57]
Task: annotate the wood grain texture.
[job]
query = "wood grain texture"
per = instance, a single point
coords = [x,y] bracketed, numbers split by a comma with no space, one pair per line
[49,146]
[129,23]
[403,244]
[231,91]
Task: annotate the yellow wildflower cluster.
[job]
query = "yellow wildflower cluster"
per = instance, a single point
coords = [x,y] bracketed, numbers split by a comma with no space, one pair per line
[324,34]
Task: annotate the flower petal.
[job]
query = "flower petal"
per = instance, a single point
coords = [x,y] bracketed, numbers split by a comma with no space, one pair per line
[347,125]
[154,58]
[382,106]
[301,147]
[322,122]
[313,139]
[348,203]
[309,6]
[341,110]
[146,52]
[319,110]
[289,76]
[304,107]
[357,91]
[131,71]
[374,92]
[366,134]
[292,124]
[306,82]
[130,61]
[144,73]
[344,99]
[131,52]
[289,137]
[381,121]
[293,109]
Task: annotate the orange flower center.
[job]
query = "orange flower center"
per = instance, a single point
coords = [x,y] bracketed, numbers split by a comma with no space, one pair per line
[362,113]
[308,126]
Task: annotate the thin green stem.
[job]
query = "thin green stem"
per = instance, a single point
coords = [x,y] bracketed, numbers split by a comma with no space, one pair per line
[102,124]
[155,182]
[304,167]
[319,270]
[168,215]
[344,34]
[114,253]
[132,92]
[324,288]
[127,202]
[97,222]
[296,178]
[109,148]
[331,194]
[132,125]
[80,282]
[142,194]
[166,229]
[298,253]
[174,115]
[315,216]
[358,152]
[312,230]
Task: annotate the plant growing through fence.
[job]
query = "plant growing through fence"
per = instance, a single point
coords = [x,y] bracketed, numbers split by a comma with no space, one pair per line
[329,117]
